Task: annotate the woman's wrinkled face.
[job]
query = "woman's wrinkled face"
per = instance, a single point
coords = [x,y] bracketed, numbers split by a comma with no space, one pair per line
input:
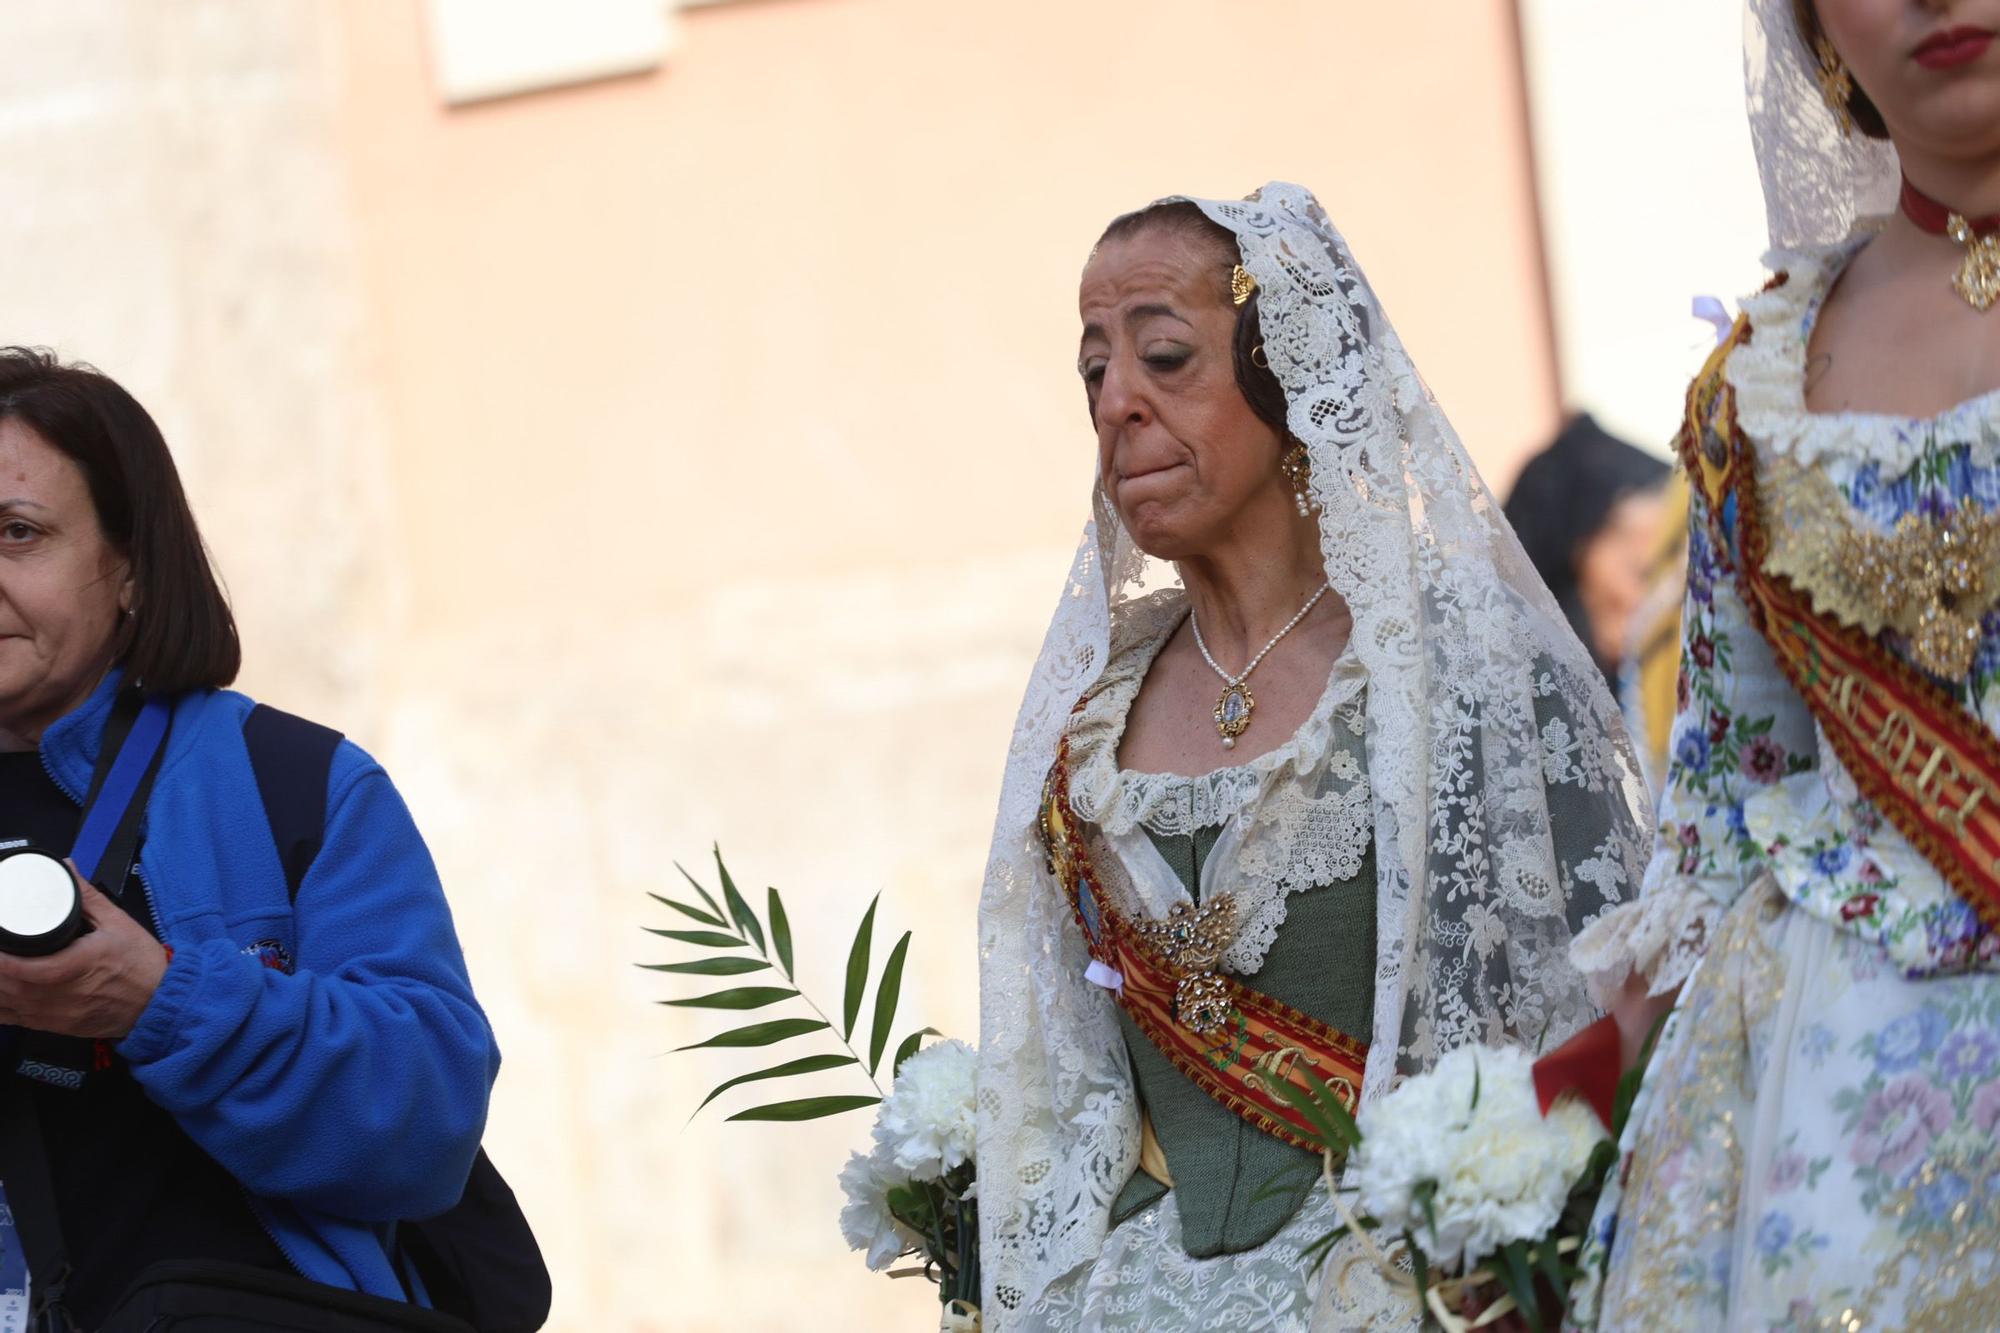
[1932,68]
[62,584]
[1183,458]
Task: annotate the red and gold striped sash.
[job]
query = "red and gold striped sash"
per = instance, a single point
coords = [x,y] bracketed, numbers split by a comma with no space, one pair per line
[1919,756]
[1261,1041]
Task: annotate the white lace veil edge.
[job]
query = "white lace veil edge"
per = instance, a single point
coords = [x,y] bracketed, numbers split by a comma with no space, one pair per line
[1818,180]
[1466,654]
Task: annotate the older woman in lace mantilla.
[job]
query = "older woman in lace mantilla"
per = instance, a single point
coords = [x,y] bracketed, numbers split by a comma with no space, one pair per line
[1339,794]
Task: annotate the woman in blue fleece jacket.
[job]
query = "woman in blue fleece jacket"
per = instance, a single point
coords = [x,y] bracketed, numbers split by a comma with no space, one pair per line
[217,1073]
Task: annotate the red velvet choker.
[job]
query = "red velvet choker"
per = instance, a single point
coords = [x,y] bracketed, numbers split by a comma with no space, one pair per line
[1978,279]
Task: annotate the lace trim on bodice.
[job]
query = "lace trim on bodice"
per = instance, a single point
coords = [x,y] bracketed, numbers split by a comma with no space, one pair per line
[1303,812]
[1768,374]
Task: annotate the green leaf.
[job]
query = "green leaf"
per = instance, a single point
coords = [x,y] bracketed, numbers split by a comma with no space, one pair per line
[739,911]
[742,997]
[713,905]
[1347,1133]
[1309,1107]
[1287,1182]
[706,938]
[811,1064]
[781,932]
[1628,1083]
[694,912]
[915,1206]
[1475,1084]
[1318,1248]
[887,991]
[910,1046]
[806,1108]
[1520,1283]
[1550,1264]
[1425,1192]
[710,967]
[857,970]
[761,1034]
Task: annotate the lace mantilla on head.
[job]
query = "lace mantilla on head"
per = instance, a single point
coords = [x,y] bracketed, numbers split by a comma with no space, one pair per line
[1818,178]
[1768,374]
[1305,809]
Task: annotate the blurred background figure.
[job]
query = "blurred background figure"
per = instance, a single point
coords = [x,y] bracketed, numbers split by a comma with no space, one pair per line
[1588,510]
[1649,668]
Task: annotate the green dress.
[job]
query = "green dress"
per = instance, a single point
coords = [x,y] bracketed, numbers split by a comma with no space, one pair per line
[1235,1184]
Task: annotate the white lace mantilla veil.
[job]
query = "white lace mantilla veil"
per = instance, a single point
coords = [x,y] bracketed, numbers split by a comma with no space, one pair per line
[1818,181]
[1459,640]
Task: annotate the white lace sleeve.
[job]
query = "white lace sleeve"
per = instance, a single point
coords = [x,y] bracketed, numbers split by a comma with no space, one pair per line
[1661,937]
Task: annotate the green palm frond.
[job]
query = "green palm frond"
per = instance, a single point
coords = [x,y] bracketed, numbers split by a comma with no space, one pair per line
[732,933]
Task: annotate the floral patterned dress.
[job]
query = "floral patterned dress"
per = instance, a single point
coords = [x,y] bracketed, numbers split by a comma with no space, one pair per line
[1815,1144]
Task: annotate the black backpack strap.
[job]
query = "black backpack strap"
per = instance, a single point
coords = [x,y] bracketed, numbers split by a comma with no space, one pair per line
[291,758]
[24,1168]
[479,1260]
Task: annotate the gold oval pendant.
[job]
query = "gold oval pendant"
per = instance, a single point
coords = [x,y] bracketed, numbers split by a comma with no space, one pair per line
[1232,712]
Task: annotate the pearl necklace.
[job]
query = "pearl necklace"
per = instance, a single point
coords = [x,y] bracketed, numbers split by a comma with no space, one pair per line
[1233,709]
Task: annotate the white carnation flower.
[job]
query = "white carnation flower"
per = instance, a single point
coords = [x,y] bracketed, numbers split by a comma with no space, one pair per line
[1501,1171]
[865,1221]
[927,1120]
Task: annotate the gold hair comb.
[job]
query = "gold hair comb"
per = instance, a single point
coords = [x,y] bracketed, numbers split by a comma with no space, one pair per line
[1241,285]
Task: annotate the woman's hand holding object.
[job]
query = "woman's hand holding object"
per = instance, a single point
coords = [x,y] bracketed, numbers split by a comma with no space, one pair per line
[96,987]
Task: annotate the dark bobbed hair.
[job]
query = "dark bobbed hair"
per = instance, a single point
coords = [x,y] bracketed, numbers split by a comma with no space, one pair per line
[1258,384]
[180,635]
[1867,117]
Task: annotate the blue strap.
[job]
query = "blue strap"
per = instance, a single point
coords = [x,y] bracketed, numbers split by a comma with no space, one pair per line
[121,784]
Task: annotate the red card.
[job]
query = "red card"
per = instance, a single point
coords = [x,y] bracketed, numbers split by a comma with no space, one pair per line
[1588,1064]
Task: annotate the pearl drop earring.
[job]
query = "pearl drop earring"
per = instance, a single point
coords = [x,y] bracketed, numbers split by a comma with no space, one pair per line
[1297,468]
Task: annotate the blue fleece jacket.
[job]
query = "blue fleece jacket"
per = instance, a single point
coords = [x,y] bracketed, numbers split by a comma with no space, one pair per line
[349,1092]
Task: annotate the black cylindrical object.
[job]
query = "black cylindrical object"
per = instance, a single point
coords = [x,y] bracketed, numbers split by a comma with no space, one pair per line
[40,908]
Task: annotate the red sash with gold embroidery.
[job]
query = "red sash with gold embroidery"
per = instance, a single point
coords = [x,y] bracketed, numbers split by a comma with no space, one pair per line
[1916,753]
[1232,1042]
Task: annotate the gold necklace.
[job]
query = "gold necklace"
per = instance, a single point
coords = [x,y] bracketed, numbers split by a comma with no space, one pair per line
[1978,278]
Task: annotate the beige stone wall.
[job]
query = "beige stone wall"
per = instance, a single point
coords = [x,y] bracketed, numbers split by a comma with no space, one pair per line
[1649,194]
[177,214]
[694,456]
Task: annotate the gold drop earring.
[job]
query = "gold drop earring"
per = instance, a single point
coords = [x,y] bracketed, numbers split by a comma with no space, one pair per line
[1297,467]
[1836,85]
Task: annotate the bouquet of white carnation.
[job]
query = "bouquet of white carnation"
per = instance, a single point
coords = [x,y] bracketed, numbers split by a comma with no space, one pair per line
[915,1193]
[1488,1175]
